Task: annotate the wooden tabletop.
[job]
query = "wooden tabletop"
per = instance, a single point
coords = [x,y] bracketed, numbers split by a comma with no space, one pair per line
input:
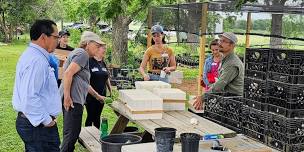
[180,120]
[239,143]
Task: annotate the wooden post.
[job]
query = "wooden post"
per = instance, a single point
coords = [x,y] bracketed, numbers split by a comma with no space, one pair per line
[248,29]
[202,46]
[149,34]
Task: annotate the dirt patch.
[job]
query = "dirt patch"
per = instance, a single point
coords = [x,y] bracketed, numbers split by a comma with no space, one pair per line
[188,85]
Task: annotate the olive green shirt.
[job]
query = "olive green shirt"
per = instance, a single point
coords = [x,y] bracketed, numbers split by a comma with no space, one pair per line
[231,76]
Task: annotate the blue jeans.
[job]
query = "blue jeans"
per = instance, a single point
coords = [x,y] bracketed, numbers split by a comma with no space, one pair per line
[37,139]
[155,77]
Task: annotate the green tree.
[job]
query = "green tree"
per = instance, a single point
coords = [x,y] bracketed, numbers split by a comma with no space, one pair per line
[13,14]
[89,11]
[121,13]
[21,13]
[261,24]
[276,21]
[292,25]
[229,23]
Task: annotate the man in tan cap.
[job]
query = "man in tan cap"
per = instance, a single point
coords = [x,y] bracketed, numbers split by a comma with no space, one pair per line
[75,87]
[231,73]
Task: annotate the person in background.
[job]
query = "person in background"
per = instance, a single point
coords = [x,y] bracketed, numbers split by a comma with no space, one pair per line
[75,87]
[231,73]
[100,82]
[160,57]
[212,65]
[36,96]
[63,45]
[64,40]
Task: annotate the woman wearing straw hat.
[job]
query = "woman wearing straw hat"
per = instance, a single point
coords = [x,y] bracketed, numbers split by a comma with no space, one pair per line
[75,87]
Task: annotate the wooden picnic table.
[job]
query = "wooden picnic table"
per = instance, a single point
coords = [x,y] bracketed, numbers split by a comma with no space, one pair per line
[240,143]
[180,120]
[89,137]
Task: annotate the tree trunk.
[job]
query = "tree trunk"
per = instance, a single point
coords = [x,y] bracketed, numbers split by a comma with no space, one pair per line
[276,29]
[120,40]
[276,24]
[4,29]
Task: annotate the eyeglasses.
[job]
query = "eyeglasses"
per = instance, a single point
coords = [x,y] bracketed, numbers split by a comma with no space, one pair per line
[55,36]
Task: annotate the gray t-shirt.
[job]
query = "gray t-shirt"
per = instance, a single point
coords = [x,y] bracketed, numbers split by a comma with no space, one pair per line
[81,80]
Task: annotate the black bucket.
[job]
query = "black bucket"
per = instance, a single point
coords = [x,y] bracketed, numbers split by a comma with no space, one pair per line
[164,138]
[130,130]
[114,142]
[190,142]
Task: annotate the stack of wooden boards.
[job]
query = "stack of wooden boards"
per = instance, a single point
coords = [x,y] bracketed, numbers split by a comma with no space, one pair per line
[150,99]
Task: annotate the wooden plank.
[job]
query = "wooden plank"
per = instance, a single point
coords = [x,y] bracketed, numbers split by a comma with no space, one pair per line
[181,126]
[196,128]
[60,73]
[148,125]
[142,111]
[210,127]
[164,123]
[204,126]
[174,101]
[61,52]
[240,143]
[120,125]
[146,147]
[248,28]
[89,141]
[94,132]
[200,126]
[236,144]
[202,47]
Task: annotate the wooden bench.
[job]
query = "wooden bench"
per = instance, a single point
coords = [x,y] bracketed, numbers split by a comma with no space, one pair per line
[89,137]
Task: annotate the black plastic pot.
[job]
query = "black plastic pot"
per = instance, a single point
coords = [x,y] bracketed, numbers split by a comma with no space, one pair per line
[114,142]
[190,142]
[164,138]
[130,130]
[115,72]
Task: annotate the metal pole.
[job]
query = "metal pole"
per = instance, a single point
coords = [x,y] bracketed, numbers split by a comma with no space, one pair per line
[248,29]
[149,34]
[202,46]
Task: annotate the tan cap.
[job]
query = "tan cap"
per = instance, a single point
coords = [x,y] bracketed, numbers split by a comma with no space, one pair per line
[231,36]
[90,36]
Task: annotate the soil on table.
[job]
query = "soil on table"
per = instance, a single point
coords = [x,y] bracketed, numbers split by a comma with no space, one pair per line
[188,85]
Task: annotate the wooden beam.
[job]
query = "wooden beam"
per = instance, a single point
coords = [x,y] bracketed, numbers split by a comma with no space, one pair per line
[149,34]
[202,46]
[248,28]
[120,125]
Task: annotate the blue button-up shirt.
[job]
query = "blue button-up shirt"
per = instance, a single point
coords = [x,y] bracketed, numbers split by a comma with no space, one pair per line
[35,91]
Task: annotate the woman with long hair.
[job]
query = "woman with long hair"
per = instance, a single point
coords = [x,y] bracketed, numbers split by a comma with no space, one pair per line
[159,57]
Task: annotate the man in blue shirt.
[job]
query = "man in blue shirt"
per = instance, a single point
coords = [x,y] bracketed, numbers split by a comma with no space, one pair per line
[36,97]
